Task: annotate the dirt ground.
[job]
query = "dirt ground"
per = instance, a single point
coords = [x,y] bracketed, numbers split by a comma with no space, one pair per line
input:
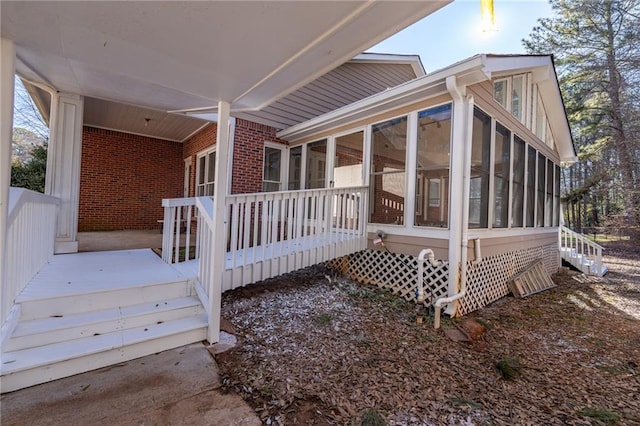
[319,349]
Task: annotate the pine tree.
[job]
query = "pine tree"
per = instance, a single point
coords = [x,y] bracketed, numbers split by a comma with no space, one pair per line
[597,48]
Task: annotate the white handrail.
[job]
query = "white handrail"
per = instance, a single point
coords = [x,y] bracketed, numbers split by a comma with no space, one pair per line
[177,228]
[31,234]
[575,246]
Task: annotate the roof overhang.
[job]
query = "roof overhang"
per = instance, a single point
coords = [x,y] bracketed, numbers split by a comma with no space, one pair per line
[467,72]
[191,55]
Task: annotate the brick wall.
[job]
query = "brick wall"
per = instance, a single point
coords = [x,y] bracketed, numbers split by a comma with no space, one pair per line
[249,141]
[123,178]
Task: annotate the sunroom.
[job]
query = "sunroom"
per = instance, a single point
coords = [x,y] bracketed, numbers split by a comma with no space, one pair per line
[464,162]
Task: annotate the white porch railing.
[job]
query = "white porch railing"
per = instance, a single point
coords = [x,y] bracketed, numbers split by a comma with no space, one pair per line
[31,235]
[581,252]
[177,229]
[267,234]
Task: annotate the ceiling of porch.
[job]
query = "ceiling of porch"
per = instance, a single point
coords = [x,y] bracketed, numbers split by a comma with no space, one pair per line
[171,56]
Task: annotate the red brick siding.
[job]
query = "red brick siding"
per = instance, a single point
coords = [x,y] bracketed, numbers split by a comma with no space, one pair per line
[249,141]
[123,179]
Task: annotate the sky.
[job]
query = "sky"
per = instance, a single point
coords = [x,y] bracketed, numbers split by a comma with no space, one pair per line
[454,33]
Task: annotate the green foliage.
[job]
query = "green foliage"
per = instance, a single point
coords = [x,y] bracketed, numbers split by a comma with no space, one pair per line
[602,414]
[508,367]
[324,319]
[370,417]
[30,174]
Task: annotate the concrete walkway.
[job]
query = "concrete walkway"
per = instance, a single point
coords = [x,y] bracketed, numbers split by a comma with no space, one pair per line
[175,387]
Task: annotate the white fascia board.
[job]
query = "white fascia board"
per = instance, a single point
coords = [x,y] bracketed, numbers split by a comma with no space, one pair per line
[512,64]
[404,94]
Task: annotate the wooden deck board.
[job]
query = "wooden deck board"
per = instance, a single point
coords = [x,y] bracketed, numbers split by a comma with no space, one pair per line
[98,271]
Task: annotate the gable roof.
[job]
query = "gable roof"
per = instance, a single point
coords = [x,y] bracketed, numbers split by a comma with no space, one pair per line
[483,67]
[359,78]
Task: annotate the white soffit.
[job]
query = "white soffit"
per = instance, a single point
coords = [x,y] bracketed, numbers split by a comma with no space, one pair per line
[190,55]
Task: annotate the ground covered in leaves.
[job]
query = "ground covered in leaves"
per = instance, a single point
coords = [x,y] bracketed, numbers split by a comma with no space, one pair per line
[320,349]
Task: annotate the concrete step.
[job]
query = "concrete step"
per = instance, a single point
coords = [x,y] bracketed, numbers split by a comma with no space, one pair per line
[60,328]
[86,300]
[28,367]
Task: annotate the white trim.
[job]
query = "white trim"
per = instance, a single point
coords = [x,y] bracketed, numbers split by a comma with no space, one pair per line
[134,133]
[204,154]
[7,73]
[410,170]
[284,163]
[186,185]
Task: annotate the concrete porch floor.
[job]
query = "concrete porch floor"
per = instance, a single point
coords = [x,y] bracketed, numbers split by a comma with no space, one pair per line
[174,387]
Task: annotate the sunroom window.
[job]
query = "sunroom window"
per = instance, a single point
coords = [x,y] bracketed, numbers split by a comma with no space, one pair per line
[388,169]
[517,97]
[501,167]
[316,164]
[517,202]
[272,168]
[480,169]
[531,187]
[500,91]
[432,167]
[511,93]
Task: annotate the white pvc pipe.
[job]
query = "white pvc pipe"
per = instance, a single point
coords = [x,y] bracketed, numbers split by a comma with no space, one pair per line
[428,253]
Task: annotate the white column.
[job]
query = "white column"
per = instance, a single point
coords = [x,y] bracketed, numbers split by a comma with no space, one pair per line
[460,144]
[7,71]
[63,166]
[219,249]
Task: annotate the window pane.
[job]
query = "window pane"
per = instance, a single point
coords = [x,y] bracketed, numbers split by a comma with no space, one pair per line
[517,97]
[347,169]
[541,191]
[389,140]
[211,167]
[518,182]
[548,206]
[316,164]
[480,159]
[295,167]
[540,119]
[500,92]
[531,186]
[272,164]
[502,163]
[271,169]
[432,168]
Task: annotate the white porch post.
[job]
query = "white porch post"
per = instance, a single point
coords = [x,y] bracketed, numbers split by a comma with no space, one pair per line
[63,166]
[219,248]
[7,71]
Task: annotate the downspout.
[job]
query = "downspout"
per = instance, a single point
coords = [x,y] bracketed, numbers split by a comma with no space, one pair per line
[458,98]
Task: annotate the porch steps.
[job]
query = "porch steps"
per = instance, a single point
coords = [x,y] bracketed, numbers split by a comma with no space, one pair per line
[82,319]
[44,331]
[42,364]
[582,263]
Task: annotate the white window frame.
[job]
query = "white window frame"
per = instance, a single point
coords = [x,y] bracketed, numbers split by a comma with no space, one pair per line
[526,96]
[209,180]
[284,164]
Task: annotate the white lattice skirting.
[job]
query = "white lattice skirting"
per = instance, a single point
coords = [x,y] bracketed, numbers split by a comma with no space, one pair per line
[397,272]
[486,281]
